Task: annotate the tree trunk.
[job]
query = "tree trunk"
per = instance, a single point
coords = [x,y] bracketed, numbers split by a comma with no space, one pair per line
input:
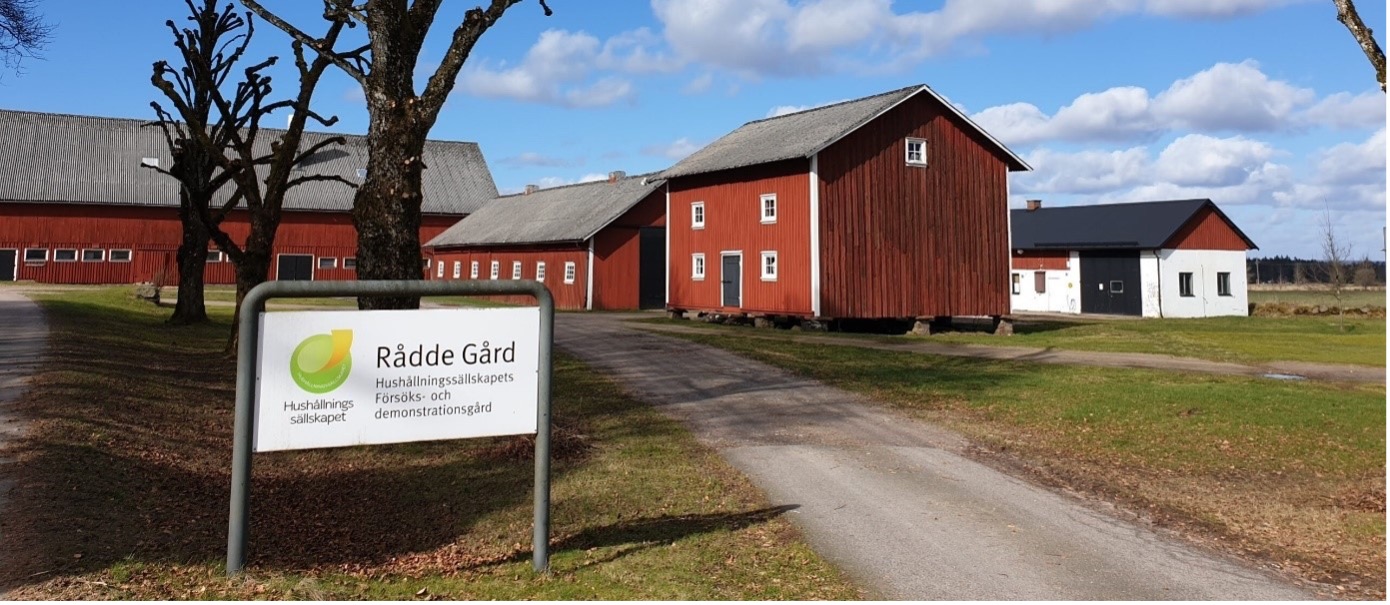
[386,210]
[253,267]
[190,308]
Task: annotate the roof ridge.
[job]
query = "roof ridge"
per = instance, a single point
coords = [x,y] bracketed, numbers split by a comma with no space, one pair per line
[584,184]
[836,104]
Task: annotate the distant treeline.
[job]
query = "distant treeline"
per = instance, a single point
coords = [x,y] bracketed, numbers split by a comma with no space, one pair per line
[1286,270]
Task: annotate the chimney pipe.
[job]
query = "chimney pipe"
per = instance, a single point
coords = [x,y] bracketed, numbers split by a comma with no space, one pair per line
[616,175]
[532,189]
[1034,205]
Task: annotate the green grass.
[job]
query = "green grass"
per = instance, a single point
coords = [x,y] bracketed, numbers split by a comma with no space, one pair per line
[225,294]
[122,492]
[1350,298]
[1296,469]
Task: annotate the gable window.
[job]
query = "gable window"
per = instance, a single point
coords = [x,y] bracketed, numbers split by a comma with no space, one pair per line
[697,215]
[214,256]
[35,255]
[1017,283]
[1223,284]
[458,268]
[569,272]
[540,270]
[769,265]
[93,256]
[917,152]
[769,205]
[496,269]
[65,255]
[440,273]
[350,262]
[697,267]
[516,269]
[328,262]
[1184,284]
[1040,282]
[473,270]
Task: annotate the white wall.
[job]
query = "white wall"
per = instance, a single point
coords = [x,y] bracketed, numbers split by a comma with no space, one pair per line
[1063,290]
[1204,265]
[1148,282]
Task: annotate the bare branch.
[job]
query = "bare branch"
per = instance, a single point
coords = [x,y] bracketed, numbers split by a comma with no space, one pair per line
[307,40]
[1346,13]
[318,177]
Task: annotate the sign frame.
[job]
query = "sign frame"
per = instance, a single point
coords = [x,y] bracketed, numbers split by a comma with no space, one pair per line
[248,349]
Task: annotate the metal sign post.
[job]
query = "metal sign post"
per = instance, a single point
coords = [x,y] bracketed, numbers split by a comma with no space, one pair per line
[248,352]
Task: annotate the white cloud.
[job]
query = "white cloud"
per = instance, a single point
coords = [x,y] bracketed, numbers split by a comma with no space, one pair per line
[1201,160]
[1230,96]
[531,158]
[699,85]
[1084,172]
[782,110]
[1343,110]
[1212,8]
[1354,163]
[556,67]
[675,151]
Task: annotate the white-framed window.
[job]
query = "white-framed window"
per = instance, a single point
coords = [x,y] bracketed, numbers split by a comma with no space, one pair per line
[64,255]
[473,270]
[214,256]
[439,273]
[697,266]
[1223,284]
[496,268]
[769,208]
[458,268]
[569,272]
[769,265]
[540,271]
[697,215]
[516,269]
[1017,283]
[1185,284]
[1040,282]
[328,262]
[93,255]
[36,255]
[350,262]
[916,152]
[425,263]
[118,255]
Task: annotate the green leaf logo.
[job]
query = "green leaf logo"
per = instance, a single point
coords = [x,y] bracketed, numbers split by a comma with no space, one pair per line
[322,362]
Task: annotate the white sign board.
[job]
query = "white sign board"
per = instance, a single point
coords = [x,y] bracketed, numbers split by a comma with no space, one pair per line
[336,378]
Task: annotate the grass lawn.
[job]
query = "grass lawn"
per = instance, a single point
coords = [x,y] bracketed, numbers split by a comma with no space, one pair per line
[1293,473]
[225,294]
[122,486]
[1350,298]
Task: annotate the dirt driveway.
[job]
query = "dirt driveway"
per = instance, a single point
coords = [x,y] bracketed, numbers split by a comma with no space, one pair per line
[23,338]
[894,501]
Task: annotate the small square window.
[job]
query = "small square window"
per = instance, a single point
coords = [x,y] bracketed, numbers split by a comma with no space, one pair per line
[1040,282]
[93,256]
[439,273]
[769,206]
[569,272]
[697,267]
[540,271]
[35,255]
[1223,284]
[1185,284]
[350,262]
[328,262]
[917,152]
[425,262]
[516,269]
[473,270]
[214,256]
[458,268]
[118,256]
[697,215]
[1017,283]
[65,255]
[496,268]
[769,265]
[1117,286]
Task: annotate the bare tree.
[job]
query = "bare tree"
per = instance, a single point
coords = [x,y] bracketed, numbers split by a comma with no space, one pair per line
[1335,271]
[386,209]
[23,32]
[1365,274]
[1365,37]
[230,139]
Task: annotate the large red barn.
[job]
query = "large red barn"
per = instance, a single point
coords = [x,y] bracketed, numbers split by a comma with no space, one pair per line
[77,207]
[889,206]
[599,245]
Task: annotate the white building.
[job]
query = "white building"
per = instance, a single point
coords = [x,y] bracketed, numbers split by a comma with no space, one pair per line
[1182,258]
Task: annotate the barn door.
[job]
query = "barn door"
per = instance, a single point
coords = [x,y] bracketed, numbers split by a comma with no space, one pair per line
[651,273]
[731,279]
[8,265]
[1110,283]
[295,267]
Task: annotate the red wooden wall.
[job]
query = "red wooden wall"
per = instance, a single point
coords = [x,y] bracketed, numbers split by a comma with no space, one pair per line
[733,222]
[904,241]
[567,296]
[1206,230]
[153,234]
[617,253]
[1042,260]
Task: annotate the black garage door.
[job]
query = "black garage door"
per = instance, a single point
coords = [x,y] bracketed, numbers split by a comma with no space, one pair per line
[1110,283]
[8,264]
[651,274]
[295,267]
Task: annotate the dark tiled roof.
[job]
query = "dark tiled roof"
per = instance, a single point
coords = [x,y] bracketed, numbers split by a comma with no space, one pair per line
[801,134]
[1142,225]
[572,213]
[56,158]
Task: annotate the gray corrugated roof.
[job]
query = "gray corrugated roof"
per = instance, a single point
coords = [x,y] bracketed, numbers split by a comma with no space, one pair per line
[801,134]
[59,158]
[1142,225]
[572,213]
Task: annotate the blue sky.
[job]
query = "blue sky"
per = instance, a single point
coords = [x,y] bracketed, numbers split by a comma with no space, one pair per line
[1266,106]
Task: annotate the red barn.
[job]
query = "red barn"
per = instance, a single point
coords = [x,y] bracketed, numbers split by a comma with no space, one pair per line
[598,245]
[890,206]
[76,206]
